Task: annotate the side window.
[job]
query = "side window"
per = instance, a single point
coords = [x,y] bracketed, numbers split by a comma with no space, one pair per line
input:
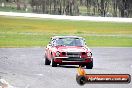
[84,41]
[53,42]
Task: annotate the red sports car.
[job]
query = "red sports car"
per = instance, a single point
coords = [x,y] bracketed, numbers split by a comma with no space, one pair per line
[68,50]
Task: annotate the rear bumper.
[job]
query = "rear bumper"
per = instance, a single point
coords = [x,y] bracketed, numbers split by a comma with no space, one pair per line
[66,61]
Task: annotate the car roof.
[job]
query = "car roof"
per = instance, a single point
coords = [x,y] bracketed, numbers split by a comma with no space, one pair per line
[55,37]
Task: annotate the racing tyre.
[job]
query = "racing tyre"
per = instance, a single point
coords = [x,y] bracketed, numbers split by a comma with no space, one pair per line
[47,62]
[53,63]
[81,80]
[89,65]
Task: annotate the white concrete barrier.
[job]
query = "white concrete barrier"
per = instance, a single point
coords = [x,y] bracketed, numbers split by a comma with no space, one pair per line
[64,17]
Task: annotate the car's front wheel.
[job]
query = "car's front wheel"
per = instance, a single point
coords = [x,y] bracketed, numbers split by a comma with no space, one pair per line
[89,65]
[53,63]
[47,62]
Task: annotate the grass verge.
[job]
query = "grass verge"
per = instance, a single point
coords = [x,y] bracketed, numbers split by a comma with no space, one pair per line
[30,32]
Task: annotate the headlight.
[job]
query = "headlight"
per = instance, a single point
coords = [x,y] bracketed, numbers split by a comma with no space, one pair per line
[89,54]
[57,53]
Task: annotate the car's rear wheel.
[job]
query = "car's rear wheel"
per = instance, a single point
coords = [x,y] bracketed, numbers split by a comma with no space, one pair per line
[89,65]
[47,62]
[53,63]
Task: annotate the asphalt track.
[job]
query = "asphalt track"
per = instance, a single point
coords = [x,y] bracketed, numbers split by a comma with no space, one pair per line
[24,68]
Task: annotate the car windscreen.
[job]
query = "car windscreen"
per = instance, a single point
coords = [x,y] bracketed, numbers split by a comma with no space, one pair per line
[69,42]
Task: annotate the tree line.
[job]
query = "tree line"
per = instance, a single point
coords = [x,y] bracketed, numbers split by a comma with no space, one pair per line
[114,8]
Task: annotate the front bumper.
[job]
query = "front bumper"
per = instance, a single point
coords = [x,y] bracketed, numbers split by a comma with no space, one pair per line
[72,61]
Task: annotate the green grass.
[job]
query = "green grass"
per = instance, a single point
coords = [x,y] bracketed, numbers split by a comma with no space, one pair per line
[30,32]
